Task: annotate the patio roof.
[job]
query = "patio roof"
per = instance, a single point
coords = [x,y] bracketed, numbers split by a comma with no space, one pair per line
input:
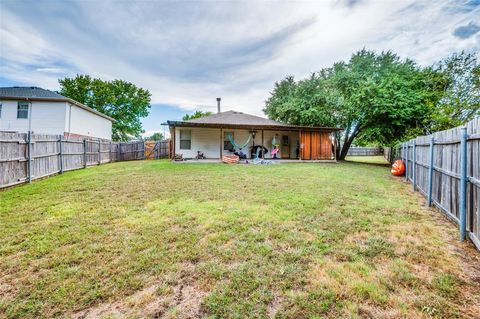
[234,119]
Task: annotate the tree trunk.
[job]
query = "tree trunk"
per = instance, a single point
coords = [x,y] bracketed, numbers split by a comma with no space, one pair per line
[346,145]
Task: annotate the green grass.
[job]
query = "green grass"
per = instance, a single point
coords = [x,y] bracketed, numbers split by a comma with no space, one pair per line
[152,238]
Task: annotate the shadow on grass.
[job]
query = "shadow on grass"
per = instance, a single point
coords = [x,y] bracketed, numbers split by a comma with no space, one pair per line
[369,160]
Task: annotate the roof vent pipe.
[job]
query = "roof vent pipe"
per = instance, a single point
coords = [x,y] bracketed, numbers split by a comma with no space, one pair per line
[218,104]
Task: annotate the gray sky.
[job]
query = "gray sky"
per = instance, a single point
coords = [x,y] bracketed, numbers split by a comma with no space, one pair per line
[188,53]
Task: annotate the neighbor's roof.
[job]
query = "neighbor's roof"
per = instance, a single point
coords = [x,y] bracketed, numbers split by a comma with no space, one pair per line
[240,120]
[34,93]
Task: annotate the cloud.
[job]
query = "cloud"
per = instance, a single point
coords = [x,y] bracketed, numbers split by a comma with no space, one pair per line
[51,70]
[349,3]
[466,31]
[188,53]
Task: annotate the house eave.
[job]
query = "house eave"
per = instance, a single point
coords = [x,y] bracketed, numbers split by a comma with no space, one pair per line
[253,126]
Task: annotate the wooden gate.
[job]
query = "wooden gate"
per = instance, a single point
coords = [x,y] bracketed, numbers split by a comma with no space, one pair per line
[315,146]
[157,149]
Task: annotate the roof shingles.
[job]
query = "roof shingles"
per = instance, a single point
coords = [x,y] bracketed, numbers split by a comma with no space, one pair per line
[29,92]
[235,118]
[36,93]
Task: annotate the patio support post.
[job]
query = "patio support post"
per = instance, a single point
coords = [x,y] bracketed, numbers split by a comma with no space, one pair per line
[299,145]
[463,184]
[221,143]
[262,150]
[174,142]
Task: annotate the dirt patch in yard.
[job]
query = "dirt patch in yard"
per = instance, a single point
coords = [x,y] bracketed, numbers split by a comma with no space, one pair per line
[183,300]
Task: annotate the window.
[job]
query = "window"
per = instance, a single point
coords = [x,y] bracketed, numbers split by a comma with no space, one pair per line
[227,145]
[22,110]
[185,139]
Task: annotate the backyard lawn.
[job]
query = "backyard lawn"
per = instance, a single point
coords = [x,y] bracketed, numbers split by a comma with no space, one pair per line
[156,239]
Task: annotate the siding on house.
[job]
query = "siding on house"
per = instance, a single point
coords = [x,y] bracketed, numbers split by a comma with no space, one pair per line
[82,122]
[46,117]
[207,140]
[52,117]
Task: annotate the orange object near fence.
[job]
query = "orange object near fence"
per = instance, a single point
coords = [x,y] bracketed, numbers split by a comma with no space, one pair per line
[398,168]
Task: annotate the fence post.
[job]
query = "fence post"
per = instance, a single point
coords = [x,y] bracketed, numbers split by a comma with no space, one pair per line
[84,153]
[99,152]
[414,175]
[430,173]
[110,152]
[61,154]
[29,156]
[406,161]
[463,184]
[119,146]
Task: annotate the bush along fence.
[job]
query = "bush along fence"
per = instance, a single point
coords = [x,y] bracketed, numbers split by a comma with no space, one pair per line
[445,167]
[26,156]
[365,151]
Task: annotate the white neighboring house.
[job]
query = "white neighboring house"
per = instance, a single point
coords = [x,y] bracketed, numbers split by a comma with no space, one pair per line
[42,111]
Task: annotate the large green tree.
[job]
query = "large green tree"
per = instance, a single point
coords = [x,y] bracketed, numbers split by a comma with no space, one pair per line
[157,136]
[461,99]
[121,100]
[196,115]
[373,97]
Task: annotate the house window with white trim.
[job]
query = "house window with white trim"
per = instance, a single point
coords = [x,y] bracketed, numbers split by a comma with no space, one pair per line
[22,110]
[185,139]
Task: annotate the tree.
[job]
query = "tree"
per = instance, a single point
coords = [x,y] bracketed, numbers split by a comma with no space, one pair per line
[373,97]
[461,99]
[196,115]
[121,100]
[157,136]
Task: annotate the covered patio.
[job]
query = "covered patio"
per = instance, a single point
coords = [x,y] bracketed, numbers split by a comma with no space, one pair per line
[228,133]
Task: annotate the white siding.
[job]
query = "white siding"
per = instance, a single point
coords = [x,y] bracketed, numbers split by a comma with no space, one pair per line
[83,122]
[205,140]
[208,141]
[44,117]
[55,118]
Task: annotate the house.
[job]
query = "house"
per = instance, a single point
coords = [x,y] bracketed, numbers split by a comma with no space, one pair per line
[42,111]
[213,136]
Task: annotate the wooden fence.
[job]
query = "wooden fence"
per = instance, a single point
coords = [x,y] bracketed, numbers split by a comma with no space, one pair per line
[445,167]
[365,151]
[25,157]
